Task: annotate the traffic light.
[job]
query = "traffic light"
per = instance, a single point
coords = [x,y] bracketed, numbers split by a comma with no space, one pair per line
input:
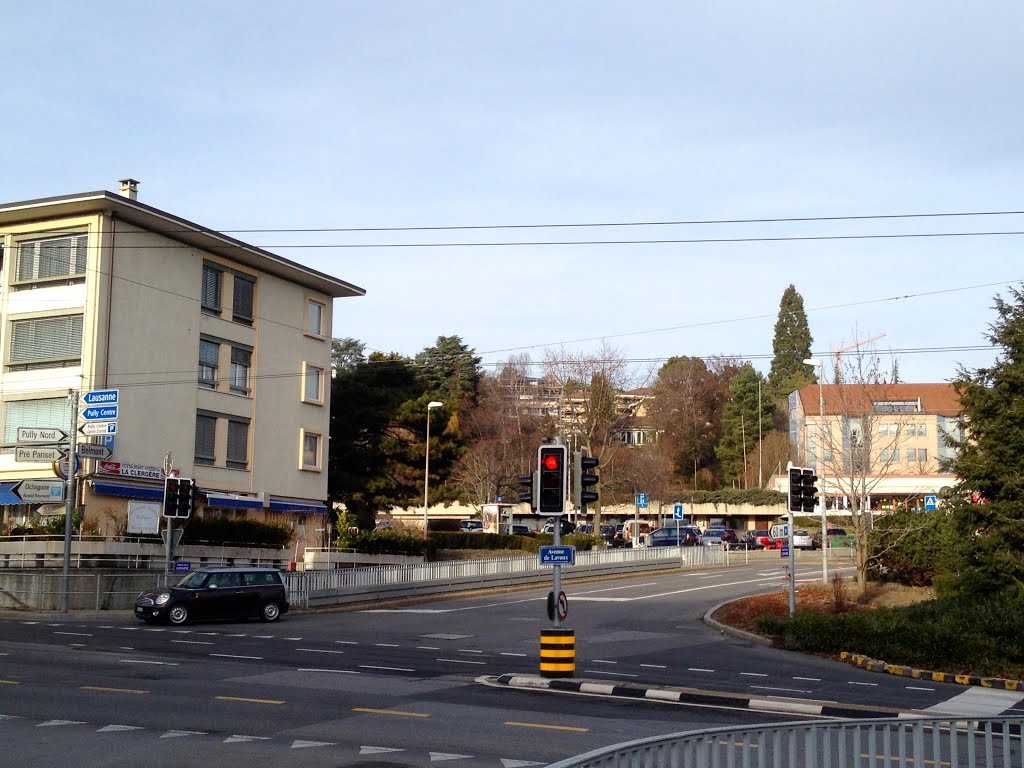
[802,489]
[551,461]
[529,496]
[178,493]
[582,479]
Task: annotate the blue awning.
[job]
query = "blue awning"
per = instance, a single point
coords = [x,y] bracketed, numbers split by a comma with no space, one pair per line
[232,501]
[302,507]
[129,491]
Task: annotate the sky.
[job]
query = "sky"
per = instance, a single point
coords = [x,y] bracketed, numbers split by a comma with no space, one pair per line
[456,118]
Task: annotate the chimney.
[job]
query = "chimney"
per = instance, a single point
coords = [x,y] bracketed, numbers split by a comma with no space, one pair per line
[129,189]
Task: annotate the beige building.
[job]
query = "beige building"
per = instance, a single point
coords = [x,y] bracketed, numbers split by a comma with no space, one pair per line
[220,353]
[884,442]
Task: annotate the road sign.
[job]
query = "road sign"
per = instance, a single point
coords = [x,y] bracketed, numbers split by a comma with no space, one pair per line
[563,606]
[931,502]
[41,435]
[677,512]
[93,451]
[39,491]
[101,397]
[100,413]
[182,565]
[63,467]
[562,555]
[91,428]
[641,500]
[46,454]
[779,531]
[784,551]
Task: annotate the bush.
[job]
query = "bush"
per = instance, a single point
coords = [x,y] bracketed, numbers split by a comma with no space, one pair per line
[910,547]
[219,530]
[386,542]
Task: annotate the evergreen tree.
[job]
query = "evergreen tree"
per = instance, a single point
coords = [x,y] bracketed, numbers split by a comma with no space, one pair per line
[450,370]
[989,504]
[791,346]
[740,421]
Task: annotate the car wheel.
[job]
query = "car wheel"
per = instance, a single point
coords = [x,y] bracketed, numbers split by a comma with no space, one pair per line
[271,611]
[178,614]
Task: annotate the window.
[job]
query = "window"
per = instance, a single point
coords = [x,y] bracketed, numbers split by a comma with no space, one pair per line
[209,352]
[211,289]
[917,454]
[240,364]
[310,450]
[314,318]
[911,430]
[206,439]
[312,384]
[52,259]
[238,444]
[241,301]
[883,430]
[922,430]
[52,412]
[46,342]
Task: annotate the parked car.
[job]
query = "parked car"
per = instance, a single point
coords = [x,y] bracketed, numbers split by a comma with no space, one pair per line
[567,526]
[760,539]
[217,593]
[607,532]
[803,540]
[721,537]
[518,529]
[670,536]
[831,533]
[471,526]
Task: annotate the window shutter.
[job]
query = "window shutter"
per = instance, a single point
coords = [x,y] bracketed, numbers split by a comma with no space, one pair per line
[241,303]
[46,339]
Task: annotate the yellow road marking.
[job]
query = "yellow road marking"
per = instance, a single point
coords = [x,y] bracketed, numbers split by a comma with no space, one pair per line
[111,690]
[389,712]
[548,727]
[250,701]
[10,682]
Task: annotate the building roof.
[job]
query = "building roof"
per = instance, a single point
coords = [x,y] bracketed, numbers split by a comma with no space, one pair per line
[861,399]
[154,220]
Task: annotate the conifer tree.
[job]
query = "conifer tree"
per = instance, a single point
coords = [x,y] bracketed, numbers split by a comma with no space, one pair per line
[790,346]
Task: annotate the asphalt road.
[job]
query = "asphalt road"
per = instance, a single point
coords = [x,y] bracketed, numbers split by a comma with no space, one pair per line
[406,685]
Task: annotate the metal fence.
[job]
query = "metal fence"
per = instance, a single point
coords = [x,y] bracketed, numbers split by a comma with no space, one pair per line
[877,743]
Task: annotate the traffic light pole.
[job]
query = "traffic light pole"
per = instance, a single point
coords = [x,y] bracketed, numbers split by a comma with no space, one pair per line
[169,544]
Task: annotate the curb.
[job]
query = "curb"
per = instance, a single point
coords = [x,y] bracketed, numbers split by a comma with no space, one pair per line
[875,665]
[673,695]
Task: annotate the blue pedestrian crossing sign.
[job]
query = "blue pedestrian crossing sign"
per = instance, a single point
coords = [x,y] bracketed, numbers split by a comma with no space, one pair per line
[931,502]
[677,512]
[641,500]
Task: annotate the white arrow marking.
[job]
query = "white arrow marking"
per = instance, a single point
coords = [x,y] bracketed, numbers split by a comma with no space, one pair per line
[517,763]
[439,756]
[304,744]
[236,738]
[377,750]
[10,717]
[48,723]
[108,728]
[176,734]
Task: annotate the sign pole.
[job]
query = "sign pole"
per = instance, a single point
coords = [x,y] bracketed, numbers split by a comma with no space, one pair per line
[557,570]
[69,508]
[169,544]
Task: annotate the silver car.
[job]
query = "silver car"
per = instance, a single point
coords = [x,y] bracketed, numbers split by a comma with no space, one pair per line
[804,540]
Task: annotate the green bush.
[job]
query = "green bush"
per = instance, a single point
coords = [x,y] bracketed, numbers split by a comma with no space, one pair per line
[910,547]
[386,542]
[220,530]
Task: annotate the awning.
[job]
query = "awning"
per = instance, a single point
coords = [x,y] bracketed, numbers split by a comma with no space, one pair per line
[302,507]
[232,501]
[130,491]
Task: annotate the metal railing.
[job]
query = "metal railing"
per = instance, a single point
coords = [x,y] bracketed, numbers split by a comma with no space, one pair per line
[877,743]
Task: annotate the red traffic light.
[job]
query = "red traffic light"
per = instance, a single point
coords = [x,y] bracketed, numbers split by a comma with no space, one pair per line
[550,461]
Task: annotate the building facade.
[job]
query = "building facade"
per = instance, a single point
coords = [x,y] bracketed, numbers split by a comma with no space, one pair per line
[219,352]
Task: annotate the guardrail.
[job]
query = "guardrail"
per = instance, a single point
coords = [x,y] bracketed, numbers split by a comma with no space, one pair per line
[876,743]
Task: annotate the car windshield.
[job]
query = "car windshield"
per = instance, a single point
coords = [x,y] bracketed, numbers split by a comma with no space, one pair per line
[196,580]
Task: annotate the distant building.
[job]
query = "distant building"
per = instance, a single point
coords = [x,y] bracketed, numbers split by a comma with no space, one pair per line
[219,352]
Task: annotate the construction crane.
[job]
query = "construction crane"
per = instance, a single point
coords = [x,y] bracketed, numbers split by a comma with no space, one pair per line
[839,351]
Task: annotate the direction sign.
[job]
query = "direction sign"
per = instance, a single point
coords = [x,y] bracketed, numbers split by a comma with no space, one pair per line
[931,502]
[100,413]
[641,500]
[42,453]
[93,451]
[39,491]
[41,435]
[677,512]
[101,397]
[779,531]
[562,555]
[98,428]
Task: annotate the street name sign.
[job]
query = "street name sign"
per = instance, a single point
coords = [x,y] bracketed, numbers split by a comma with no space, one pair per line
[91,428]
[46,454]
[39,491]
[100,413]
[93,451]
[41,435]
[562,555]
[100,397]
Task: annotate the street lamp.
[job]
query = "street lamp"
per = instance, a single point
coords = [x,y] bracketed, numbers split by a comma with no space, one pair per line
[823,499]
[426,465]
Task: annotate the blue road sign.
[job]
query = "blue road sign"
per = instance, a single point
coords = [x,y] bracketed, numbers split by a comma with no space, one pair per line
[784,551]
[101,397]
[558,555]
[641,500]
[182,565]
[100,413]
[931,502]
[677,512]
[7,494]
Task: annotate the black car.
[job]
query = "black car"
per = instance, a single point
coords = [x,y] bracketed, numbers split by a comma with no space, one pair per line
[670,536]
[217,593]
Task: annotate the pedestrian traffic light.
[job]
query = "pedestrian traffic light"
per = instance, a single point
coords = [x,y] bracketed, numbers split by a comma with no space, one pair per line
[551,461]
[802,489]
[529,496]
[178,494]
[582,479]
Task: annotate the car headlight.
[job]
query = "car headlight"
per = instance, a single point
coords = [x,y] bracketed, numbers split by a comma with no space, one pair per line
[162,598]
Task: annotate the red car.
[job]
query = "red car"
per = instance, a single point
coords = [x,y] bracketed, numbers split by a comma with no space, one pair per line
[761,539]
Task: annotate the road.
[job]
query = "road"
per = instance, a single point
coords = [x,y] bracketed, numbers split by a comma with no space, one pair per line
[403,685]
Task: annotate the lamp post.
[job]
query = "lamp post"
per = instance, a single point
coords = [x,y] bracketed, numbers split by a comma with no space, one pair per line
[823,498]
[426,466]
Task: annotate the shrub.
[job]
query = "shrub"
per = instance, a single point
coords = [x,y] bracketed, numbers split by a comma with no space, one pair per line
[910,547]
[219,530]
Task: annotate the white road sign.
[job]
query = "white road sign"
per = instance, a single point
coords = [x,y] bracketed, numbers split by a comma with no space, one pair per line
[46,454]
[93,451]
[99,428]
[41,435]
[40,491]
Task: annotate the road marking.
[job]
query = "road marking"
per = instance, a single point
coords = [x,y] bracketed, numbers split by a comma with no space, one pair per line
[461,661]
[545,726]
[10,682]
[74,634]
[387,645]
[176,734]
[698,669]
[771,688]
[427,648]
[110,728]
[754,674]
[654,666]
[292,639]
[346,642]
[979,702]
[111,690]
[51,723]
[194,642]
[389,712]
[606,672]
[386,669]
[854,682]
[437,757]
[577,595]
[335,671]
[509,654]
[247,700]
[378,750]
[918,688]
[467,650]
[235,739]
[603,661]
[301,744]
[318,650]
[234,656]
[144,661]
[809,679]
[263,637]
[507,763]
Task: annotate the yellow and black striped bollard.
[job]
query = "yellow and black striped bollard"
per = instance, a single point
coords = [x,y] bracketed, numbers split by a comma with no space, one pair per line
[557,652]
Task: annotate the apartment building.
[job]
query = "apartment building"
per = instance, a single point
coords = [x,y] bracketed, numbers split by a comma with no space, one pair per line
[219,351]
[883,441]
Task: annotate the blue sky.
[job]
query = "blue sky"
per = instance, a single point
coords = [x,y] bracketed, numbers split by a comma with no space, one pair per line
[328,115]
